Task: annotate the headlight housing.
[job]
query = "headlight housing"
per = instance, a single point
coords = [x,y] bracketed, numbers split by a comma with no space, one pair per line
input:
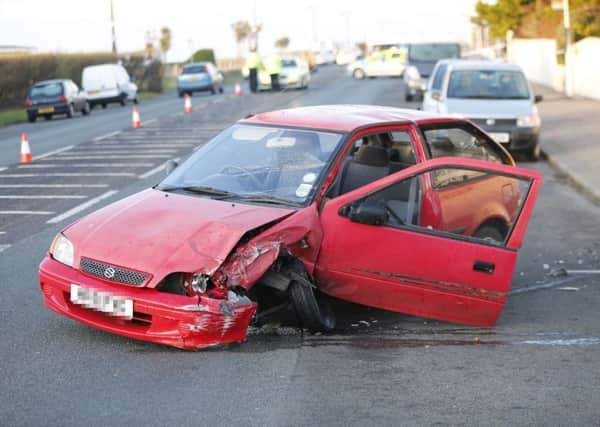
[530,120]
[62,250]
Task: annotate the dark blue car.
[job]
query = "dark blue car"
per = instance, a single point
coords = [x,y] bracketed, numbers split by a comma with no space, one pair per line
[51,97]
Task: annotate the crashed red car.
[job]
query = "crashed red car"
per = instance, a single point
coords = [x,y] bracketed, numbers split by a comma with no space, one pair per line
[396,209]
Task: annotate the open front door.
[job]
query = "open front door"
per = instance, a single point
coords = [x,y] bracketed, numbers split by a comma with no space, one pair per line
[437,240]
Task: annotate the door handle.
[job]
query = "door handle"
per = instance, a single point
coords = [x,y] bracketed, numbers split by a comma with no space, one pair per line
[484,267]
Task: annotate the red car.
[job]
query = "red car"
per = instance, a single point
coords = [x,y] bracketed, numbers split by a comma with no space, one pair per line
[396,209]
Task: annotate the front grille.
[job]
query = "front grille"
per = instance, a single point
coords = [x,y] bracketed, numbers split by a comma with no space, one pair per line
[112,273]
[497,123]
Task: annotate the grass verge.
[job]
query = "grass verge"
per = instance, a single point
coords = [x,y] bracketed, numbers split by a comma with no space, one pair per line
[10,117]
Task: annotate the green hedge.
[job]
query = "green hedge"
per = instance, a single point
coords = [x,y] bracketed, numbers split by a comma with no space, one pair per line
[19,71]
[204,55]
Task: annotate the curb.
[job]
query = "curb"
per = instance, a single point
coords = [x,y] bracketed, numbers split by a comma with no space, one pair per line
[576,180]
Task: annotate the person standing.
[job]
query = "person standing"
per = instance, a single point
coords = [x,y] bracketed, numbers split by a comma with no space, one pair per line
[253,64]
[273,67]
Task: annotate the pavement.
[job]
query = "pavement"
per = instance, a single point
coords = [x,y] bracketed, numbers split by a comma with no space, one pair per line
[570,137]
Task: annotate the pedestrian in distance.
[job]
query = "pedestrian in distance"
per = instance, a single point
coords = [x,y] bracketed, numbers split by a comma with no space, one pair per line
[273,68]
[253,64]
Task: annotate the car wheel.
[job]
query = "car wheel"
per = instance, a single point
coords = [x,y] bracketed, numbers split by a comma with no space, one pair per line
[48,116]
[180,94]
[408,97]
[70,111]
[86,109]
[221,89]
[489,232]
[136,100]
[212,90]
[122,102]
[313,311]
[534,152]
[358,74]
[104,105]
[32,117]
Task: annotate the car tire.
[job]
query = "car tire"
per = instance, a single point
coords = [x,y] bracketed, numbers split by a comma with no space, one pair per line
[104,105]
[213,90]
[408,97]
[313,311]
[489,232]
[136,100]
[122,100]
[48,116]
[180,94]
[70,111]
[221,89]
[31,117]
[359,74]
[534,152]
[86,109]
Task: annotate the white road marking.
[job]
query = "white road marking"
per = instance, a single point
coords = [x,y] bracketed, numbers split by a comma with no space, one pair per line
[149,121]
[51,153]
[565,342]
[33,175]
[86,165]
[141,145]
[4,247]
[155,170]
[125,156]
[54,185]
[3,169]
[113,151]
[2,232]
[81,207]
[26,213]
[44,196]
[107,135]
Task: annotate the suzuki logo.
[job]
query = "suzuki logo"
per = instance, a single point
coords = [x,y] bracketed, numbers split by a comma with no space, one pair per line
[109,273]
[490,122]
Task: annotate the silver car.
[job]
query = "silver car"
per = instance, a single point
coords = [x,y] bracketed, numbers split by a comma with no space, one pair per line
[495,96]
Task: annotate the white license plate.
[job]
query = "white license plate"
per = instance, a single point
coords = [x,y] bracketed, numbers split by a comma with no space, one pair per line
[102,301]
[501,137]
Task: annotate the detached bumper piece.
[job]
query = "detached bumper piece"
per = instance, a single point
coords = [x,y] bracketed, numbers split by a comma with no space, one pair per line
[185,322]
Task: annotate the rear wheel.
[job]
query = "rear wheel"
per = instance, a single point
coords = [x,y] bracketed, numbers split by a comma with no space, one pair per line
[32,117]
[312,309]
[358,74]
[104,105]
[70,111]
[180,93]
[221,89]
[212,90]
[86,109]
[408,97]
[48,116]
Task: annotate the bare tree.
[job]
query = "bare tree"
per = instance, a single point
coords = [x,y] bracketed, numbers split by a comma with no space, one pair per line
[165,41]
[242,30]
[282,43]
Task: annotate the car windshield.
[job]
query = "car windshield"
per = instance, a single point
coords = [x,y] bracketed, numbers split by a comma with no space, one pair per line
[194,69]
[257,163]
[432,52]
[487,84]
[48,89]
[288,63]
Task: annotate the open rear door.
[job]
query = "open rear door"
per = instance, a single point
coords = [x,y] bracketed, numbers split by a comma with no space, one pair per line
[437,240]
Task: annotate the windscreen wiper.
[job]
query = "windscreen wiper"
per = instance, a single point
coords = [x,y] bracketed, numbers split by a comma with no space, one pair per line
[268,199]
[200,189]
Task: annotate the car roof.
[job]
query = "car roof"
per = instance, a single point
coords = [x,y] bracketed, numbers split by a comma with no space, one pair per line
[46,82]
[193,64]
[478,64]
[342,118]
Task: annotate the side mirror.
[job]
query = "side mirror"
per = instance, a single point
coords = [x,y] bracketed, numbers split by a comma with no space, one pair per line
[436,96]
[170,166]
[368,212]
[538,98]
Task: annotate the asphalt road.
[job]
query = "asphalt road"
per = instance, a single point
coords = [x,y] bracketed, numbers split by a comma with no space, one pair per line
[538,366]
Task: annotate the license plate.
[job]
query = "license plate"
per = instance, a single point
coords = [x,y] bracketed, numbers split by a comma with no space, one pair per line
[44,110]
[501,137]
[93,92]
[102,301]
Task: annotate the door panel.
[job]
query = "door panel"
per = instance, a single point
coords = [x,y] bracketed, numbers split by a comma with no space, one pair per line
[415,269]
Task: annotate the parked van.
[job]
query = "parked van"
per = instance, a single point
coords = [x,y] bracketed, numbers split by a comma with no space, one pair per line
[108,83]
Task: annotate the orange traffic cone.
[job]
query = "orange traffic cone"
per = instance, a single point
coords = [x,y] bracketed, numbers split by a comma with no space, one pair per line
[135,118]
[188,104]
[238,89]
[25,150]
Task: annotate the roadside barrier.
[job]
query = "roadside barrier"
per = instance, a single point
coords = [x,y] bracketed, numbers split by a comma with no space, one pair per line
[25,150]
[135,118]
[188,104]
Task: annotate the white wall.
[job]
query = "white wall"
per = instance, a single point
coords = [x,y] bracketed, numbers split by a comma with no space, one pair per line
[586,67]
[537,57]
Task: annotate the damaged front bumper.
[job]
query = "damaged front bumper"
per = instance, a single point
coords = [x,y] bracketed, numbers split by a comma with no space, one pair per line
[181,321]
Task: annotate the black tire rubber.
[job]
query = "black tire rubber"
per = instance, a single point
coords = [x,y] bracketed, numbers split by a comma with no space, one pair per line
[48,116]
[104,105]
[221,89]
[122,101]
[533,153]
[408,97]
[359,74]
[213,90]
[180,94]
[313,311]
[489,232]
[136,100]
[31,117]
[70,111]
[86,109]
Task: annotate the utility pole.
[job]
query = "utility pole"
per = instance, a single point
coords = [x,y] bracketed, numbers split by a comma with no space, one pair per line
[568,64]
[112,21]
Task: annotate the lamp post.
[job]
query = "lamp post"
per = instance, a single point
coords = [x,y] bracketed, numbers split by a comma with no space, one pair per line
[112,21]
[564,5]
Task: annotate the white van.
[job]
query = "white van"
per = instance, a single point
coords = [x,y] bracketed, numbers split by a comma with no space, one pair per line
[108,83]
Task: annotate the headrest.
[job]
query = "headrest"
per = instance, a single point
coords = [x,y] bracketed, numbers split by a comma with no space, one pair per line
[372,155]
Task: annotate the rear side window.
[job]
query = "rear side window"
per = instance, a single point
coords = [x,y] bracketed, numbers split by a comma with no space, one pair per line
[439,78]
[195,69]
[49,89]
[461,141]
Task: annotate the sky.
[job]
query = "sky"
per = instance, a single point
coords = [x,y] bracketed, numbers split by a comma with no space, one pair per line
[84,25]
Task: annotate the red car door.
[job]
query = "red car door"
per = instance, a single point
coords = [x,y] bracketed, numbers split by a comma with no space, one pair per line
[399,262]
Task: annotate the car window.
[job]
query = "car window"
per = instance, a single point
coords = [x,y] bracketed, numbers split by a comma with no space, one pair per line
[477,205]
[195,69]
[47,89]
[438,78]
[433,52]
[462,141]
[487,84]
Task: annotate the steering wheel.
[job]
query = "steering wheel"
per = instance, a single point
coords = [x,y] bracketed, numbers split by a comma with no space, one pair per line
[249,174]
